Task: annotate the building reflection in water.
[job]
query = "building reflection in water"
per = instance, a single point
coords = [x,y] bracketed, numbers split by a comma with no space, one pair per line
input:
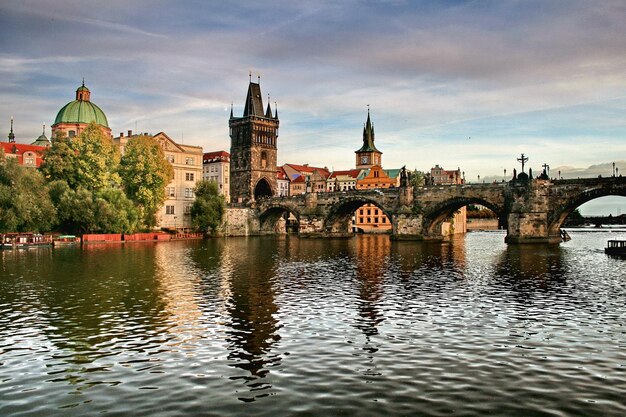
[371,257]
[179,280]
[247,279]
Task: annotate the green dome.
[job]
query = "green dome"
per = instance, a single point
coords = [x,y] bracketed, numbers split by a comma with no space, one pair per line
[81,111]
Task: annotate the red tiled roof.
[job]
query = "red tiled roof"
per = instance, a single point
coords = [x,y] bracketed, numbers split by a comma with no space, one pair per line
[18,149]
[281,174]
[306,168]
[354,173]
[298,179]
[216,156]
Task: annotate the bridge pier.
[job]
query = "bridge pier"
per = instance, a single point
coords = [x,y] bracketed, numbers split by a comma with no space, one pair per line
[529,227]
[405,226]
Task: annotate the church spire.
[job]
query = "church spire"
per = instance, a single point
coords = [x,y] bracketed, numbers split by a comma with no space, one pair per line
[275,110]
[11,134]
[231,110]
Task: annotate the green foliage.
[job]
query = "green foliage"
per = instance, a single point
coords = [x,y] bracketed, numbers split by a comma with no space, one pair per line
[89,161]
[25,205]
[417,178]
[145,172]
[59,162]
[84,211]
[208,208]
[480,212]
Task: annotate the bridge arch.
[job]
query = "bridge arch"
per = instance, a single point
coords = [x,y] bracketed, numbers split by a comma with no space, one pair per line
[339,217]
[446,209]
[560,213]
[270,217]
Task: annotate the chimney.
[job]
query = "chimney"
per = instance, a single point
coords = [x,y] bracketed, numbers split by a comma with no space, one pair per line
[130,133]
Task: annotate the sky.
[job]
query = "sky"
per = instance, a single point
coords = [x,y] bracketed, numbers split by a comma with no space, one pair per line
[468,84]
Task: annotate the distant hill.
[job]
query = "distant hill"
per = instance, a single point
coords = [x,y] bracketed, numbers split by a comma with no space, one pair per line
[569,172]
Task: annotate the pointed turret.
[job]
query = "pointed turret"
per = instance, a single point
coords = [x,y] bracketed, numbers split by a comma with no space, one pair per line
[231,110]
[275,111]
[11,134]
[268,112]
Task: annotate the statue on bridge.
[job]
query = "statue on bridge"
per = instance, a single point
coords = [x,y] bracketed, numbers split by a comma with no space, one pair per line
[404,178]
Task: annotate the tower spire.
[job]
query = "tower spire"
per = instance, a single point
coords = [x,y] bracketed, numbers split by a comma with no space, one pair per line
[275,110]
[11,134]
[231,110]
[268,112]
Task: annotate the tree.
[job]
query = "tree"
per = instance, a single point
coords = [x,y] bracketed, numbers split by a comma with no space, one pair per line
[145,172]
[208,208]
[85,211]
[59,162]
[25,205]
[417,178]
[89,161]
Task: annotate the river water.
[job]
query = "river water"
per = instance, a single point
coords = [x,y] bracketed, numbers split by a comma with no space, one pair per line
[281,326]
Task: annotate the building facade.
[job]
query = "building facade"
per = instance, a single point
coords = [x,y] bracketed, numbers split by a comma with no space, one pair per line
[440,176]
[216,167]
[306,179]
[282,181]
[25,155]
[76,115]
[253,150]
[343,180]
[186,161]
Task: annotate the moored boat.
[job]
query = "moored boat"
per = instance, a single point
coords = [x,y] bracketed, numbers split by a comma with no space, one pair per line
[66,240]
[25,240]
[615,247]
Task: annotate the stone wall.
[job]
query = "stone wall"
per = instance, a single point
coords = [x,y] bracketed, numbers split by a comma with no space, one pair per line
[239,222]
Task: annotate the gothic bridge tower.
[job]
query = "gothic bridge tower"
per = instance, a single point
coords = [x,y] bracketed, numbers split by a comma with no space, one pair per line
[253,140]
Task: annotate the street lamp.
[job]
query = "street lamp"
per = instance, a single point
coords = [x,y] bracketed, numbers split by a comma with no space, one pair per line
[478,178]
[613,168]
[505,174]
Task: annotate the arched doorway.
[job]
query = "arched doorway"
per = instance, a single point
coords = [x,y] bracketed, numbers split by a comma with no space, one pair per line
[262,189]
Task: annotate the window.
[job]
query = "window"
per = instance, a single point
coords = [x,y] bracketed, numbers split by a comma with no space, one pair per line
[169,209]
[170,158]
[188,208]
[29,160]
[72,133]
[188,192]
[189,176]
[171,191]
[188,161]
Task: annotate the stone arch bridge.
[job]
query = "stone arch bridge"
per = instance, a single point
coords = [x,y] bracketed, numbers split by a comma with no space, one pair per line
[530,211]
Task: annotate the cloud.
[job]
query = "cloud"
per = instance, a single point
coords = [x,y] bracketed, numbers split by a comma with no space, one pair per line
[540,77]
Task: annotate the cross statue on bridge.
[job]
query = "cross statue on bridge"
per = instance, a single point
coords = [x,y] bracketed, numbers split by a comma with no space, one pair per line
[523,159]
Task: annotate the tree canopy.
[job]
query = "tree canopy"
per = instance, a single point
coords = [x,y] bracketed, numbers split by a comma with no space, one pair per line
[25,205]
[208,209]
[89,160]
[145,172]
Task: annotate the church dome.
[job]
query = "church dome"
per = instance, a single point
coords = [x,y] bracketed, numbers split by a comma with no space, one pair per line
[81,110]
